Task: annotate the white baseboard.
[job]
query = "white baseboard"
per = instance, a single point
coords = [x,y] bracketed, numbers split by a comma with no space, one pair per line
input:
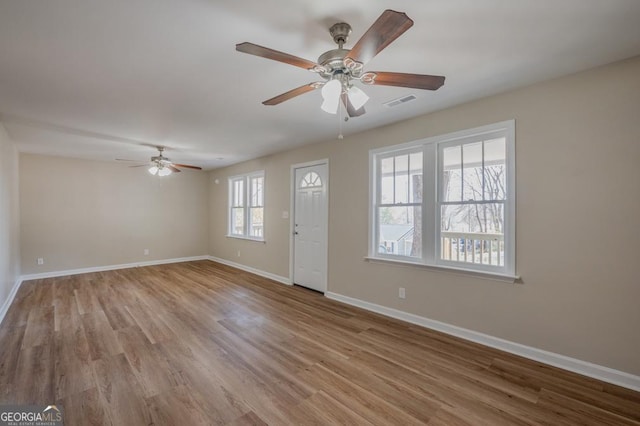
[595,371]
[53,274]
[278,278]
[12,295]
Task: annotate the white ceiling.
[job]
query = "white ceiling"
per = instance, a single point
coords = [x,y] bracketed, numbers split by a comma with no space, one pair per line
[105,79]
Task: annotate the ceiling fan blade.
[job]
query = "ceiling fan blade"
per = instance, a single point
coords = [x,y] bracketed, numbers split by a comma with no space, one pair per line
[187,166]
[140,165]
[292,94]
[172,168]
[265,52]
[349,106]
[389,26]
[416,81]
[122,159]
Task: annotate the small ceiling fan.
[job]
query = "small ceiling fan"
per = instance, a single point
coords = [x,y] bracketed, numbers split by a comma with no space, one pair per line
[341,67]
[161,165]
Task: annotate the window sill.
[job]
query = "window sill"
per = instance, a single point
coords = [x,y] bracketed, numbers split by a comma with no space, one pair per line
[240,237]
[479,274]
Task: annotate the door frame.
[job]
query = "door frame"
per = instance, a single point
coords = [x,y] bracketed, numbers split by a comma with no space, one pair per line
[292,217]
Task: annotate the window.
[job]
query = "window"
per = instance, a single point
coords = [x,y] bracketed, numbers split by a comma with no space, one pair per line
[400,204]
[246,206]
[447,201]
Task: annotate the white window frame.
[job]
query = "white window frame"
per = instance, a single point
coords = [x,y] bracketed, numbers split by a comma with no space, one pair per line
[431,149]
[379,157]
[247,206]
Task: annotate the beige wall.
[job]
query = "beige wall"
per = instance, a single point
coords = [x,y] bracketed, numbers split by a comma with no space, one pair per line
[578,213]
[79,214]
[9,217]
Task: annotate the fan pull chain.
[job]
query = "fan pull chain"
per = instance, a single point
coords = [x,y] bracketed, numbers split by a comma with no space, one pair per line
[340,121]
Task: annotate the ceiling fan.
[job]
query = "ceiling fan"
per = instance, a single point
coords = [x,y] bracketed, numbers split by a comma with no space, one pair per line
[161,165]
[341,67]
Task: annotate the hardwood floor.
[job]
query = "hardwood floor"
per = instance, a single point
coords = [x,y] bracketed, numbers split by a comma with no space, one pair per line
[201,343]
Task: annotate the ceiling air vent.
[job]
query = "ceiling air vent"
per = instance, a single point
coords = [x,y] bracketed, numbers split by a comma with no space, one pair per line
[396,102]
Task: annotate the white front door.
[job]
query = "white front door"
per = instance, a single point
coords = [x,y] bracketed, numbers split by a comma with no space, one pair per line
[310,227]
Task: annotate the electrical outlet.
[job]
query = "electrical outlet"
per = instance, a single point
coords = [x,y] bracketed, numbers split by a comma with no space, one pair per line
[41,261]
[401,293]
[238,253]
[146,252]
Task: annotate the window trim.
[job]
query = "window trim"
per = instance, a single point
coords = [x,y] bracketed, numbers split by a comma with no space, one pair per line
[246,179]
[431,147]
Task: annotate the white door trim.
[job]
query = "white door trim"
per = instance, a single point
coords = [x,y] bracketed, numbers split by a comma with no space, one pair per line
[292,212]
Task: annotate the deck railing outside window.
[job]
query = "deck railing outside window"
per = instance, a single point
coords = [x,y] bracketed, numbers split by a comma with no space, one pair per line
[473,247]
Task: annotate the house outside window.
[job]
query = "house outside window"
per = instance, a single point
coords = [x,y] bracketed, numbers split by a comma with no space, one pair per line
[447,201]
[246,206]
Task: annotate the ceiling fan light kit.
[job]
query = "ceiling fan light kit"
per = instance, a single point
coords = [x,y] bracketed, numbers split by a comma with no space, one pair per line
[331,92]
[160,171]
[340,67]
[357,97]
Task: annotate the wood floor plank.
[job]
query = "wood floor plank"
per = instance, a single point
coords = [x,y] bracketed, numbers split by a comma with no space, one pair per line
[84,409]
[580,412]
[64,301]
[86,299]
[204,343]
[100,336]
[620,392]
[266,369]
[17,315]
[33,381]
[154,326]
[152,370]
[40,327]
[412,354]
[213,388]
[231,386]
[177,406]
[248,419]
[444,417]
[119,317]
[589,391]
[11,339]
[37,295]
[363,402]
[456,390]
[120,394]
[72,366]
[323,409]
[420,405]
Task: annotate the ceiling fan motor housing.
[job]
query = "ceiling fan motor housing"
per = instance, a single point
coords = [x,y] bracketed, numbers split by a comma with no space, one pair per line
[332,62]
[340,33]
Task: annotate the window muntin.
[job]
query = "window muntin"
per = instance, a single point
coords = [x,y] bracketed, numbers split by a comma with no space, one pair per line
[246,206]
[458,207]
